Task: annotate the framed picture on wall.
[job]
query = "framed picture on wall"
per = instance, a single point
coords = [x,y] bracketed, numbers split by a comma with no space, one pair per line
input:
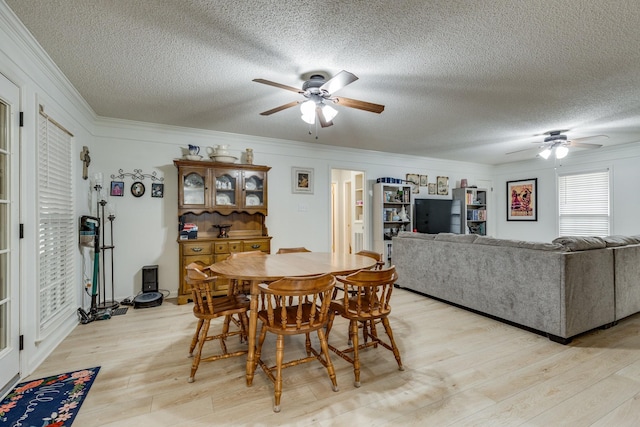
[432,188]
[424,180]
[117,188]
[301,180]
[522,200]
[157,190]
[443,185]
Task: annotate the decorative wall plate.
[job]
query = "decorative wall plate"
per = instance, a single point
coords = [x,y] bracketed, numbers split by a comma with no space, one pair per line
[137,189]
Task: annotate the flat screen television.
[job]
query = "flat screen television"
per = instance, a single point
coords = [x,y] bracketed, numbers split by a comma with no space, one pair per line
[435,216]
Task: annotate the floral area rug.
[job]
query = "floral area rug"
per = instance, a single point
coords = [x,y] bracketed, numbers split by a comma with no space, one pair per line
[51,401]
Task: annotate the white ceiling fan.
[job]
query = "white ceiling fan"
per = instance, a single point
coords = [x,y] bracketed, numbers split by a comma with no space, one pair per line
[556,142]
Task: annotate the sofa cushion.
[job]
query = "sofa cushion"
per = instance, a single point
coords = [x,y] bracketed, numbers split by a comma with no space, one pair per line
[412,235]
[459,238]
[614,241]
[579,243]
[490,241]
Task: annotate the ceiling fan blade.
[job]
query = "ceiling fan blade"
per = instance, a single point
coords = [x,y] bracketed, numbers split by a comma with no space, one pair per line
[585,138]
[280,108]
[281,86]
[338,81]
[360,105]
[323,121]
[525,149]
[583,144]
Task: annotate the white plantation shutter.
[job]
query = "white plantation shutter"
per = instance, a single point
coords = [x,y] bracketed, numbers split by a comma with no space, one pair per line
[56,222]
[584,204]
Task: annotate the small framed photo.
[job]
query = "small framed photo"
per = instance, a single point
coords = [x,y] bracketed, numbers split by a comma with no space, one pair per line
[301,180]
[424,181]
[432,188]
[522,200]
[157,190]
[117,188]
[443,185]
[413,178]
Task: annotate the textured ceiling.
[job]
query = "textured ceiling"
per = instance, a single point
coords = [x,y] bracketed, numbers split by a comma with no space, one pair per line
[461,80]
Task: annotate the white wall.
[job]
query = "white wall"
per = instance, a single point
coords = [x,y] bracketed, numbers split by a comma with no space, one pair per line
[623,163]
[40,83]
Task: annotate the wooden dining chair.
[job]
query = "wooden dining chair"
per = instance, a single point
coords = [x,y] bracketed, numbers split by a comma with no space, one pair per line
[234,255]
[292,306]
[292,250]
[207,308]
[375,255]
[365,300]
[378,265]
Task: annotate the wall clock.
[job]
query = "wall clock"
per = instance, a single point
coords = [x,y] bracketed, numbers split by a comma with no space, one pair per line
[137,189]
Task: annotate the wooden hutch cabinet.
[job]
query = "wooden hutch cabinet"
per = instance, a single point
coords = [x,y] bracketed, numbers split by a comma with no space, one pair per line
[211,195]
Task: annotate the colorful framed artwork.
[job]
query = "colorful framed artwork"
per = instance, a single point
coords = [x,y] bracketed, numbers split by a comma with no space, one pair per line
[301,180]
[117,188]
[522,200]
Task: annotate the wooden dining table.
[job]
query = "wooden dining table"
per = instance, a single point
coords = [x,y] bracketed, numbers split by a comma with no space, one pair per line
[269,268]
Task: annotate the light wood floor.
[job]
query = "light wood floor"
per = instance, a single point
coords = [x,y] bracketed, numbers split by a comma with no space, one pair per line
[462,369]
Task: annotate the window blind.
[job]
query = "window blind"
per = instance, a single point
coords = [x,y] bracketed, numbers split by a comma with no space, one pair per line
[584,204]
[56,223]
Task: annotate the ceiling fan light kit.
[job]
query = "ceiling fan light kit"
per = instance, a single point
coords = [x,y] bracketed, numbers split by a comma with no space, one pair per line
[318,91]
[558,144]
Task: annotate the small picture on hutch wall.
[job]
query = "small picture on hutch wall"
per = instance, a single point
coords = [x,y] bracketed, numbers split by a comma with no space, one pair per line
[157,190]
[432,188]
[522,200]
[302,180]
[117,188]
[443,185]
[424,180]
[413,178]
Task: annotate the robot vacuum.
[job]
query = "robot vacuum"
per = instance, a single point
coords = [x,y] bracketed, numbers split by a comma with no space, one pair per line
[148,299]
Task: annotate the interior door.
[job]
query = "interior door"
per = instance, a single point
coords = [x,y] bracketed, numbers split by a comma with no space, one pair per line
[9,223]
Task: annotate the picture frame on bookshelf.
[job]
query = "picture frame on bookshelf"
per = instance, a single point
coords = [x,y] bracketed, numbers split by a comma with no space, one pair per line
[522,200]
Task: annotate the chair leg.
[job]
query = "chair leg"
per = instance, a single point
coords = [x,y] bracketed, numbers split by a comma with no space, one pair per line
[194,341]
[307,344]
[373,332]
[353,335]
[261,337]
[278,383]
[396,352]
[198,356]
[325,350]
[225,332]
[332,315]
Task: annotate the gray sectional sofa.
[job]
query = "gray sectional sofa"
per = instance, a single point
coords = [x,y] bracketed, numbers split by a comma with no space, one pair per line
[562,289]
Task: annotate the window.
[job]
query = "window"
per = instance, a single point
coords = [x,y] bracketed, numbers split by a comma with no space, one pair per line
[584,204]
[56,229]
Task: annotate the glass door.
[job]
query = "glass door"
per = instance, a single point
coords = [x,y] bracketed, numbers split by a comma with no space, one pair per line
[192,190]
[9,213]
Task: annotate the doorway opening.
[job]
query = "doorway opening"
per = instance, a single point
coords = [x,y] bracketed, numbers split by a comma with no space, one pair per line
[348,211]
